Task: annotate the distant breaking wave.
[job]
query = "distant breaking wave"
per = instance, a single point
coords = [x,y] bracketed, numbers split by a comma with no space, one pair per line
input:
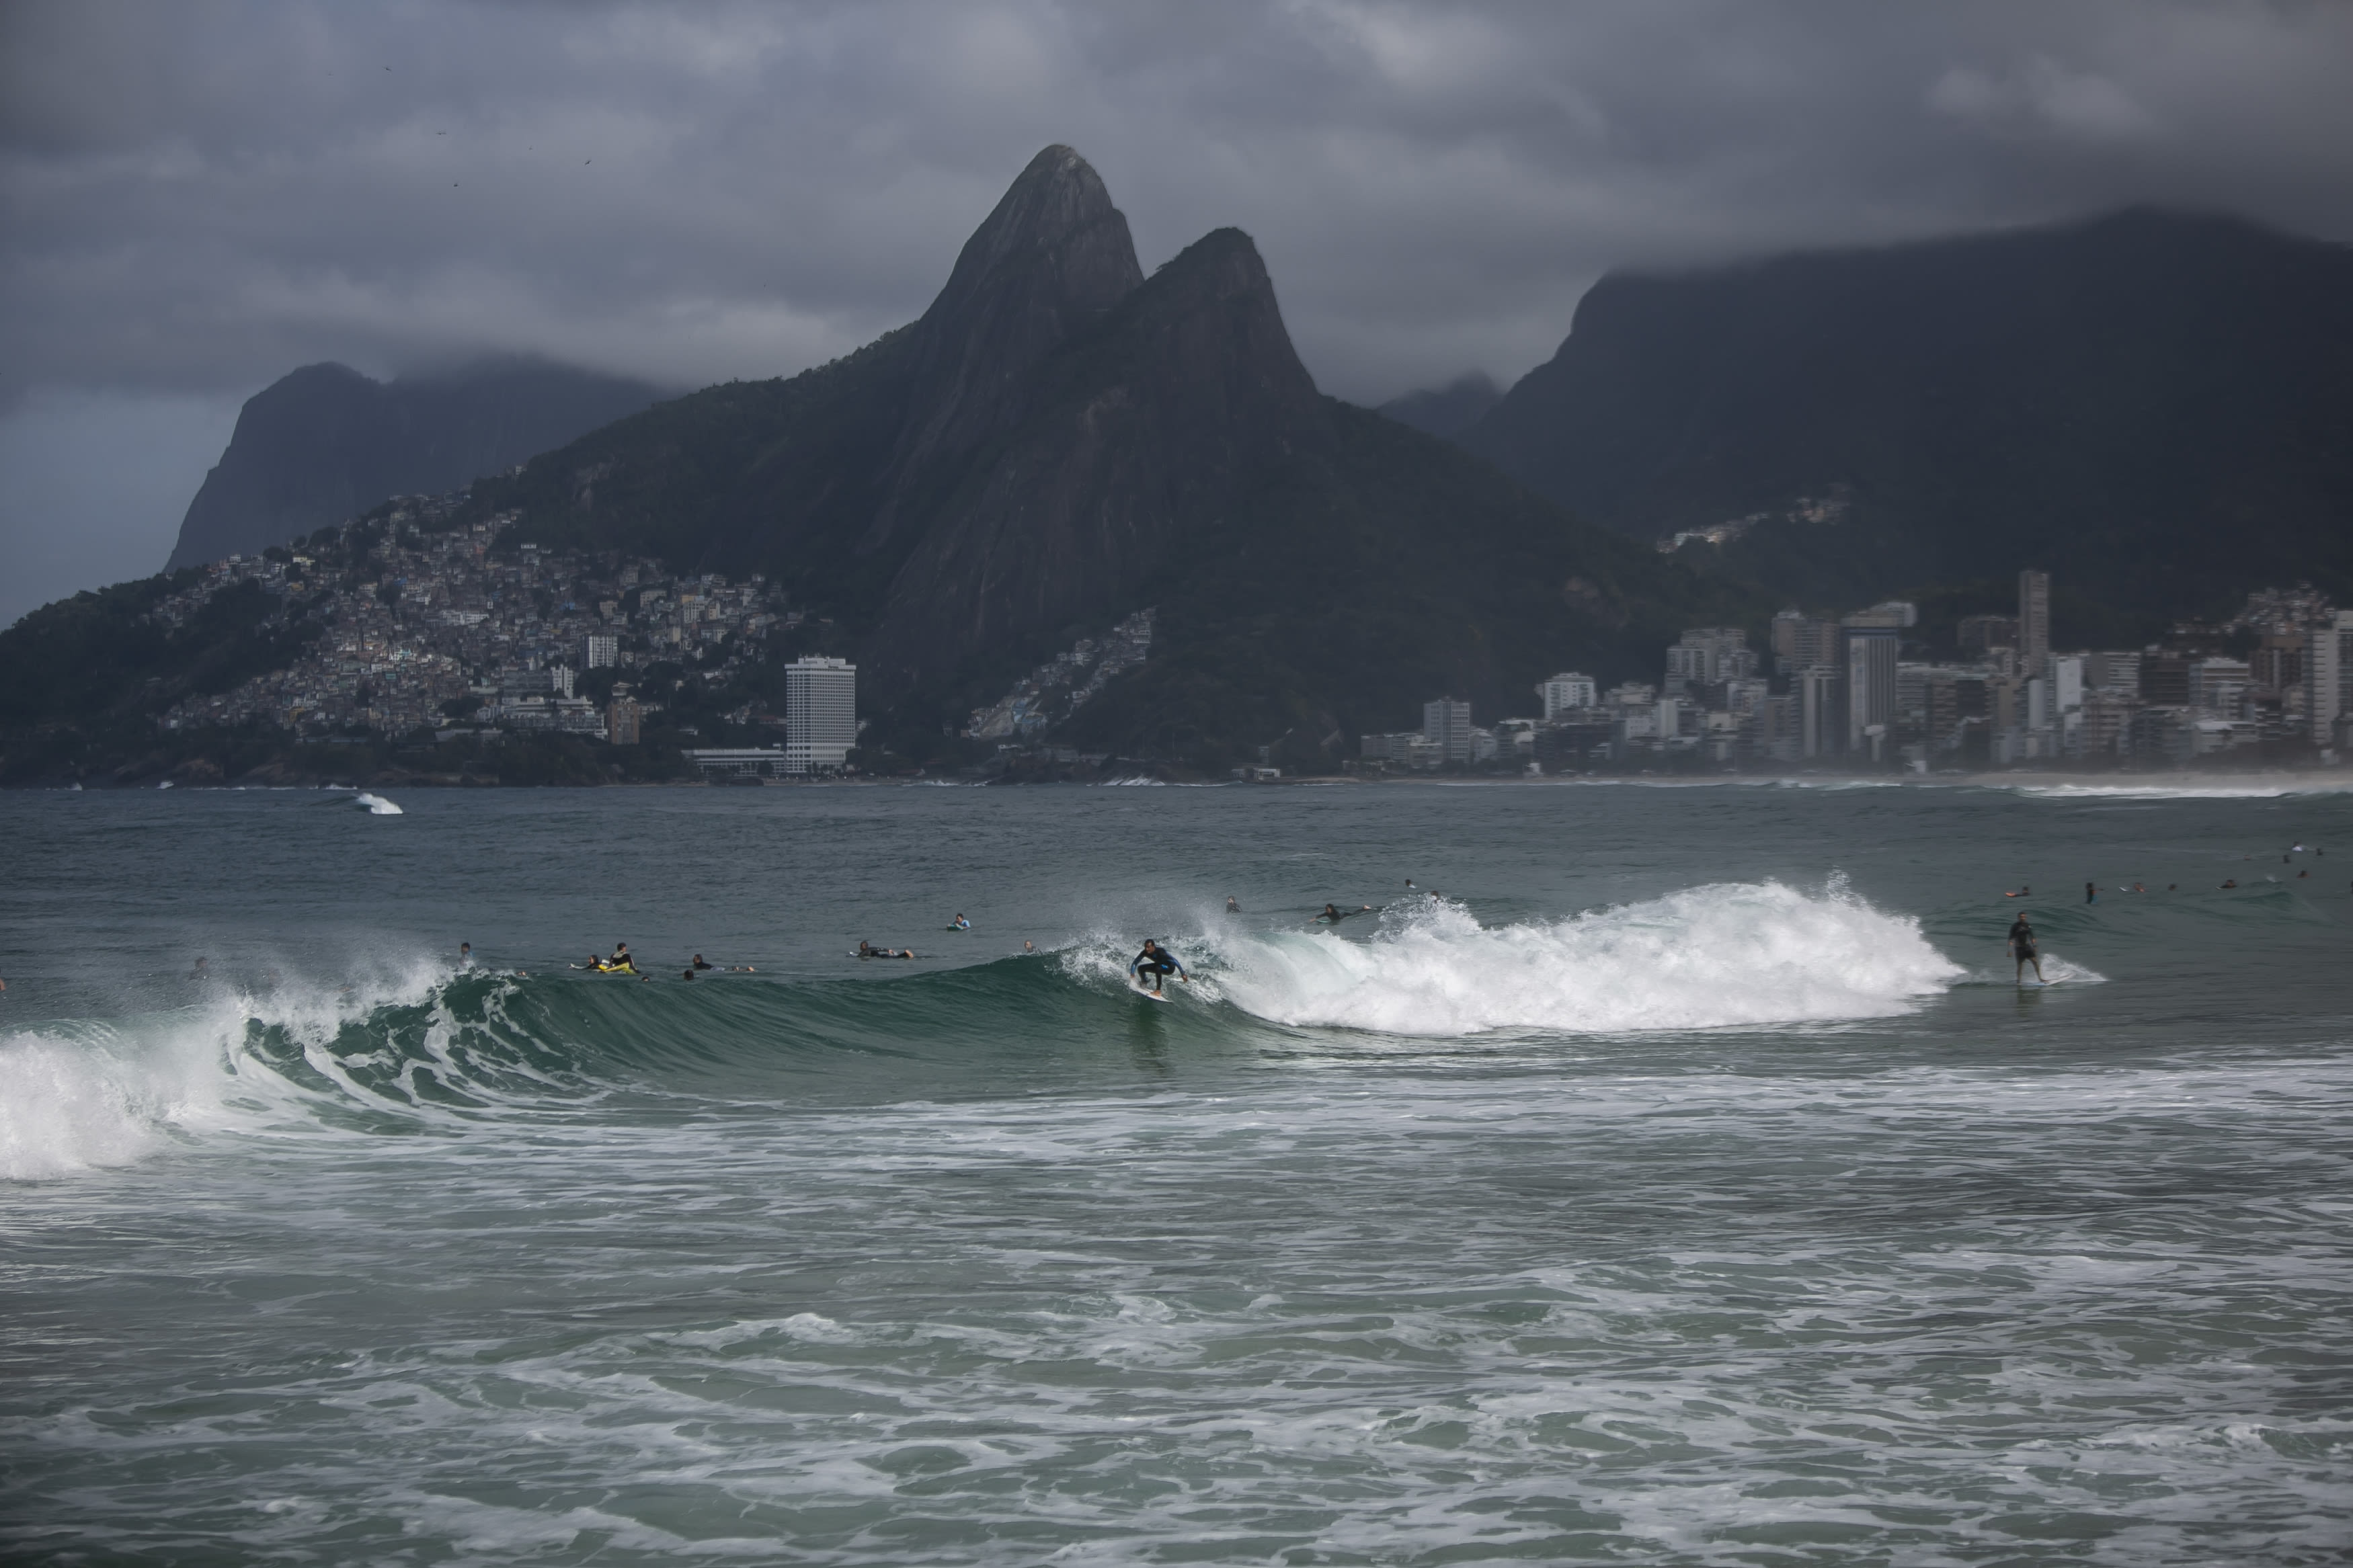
[1721,956]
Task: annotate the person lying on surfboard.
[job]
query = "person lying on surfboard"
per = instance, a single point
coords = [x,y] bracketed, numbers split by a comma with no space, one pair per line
[1154,963]
[868,950]
[1334,915]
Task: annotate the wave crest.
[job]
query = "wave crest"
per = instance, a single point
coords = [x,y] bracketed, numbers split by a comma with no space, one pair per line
[1709,957]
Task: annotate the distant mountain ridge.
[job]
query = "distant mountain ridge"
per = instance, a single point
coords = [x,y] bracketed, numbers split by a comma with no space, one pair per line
[1061,441]
[326,443]
[2157,403]
[1450,410]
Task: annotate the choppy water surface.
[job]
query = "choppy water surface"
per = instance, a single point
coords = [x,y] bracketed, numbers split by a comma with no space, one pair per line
[1688,1183]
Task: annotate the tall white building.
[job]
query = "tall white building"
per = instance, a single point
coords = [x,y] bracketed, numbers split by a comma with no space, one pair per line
[1446,725]
[2327,650]
[600,650]
[1566,692]
[820,714]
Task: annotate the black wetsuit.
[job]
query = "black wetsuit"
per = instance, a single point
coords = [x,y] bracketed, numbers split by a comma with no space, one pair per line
[2022,942]
[1154,965]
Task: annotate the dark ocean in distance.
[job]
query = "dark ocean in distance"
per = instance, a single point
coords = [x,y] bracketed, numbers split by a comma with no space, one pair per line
[1689,1185]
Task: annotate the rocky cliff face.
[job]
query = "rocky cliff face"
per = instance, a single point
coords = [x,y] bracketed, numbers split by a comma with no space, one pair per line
[2152,404]
[326,443]
[1143,432]
[1051,259]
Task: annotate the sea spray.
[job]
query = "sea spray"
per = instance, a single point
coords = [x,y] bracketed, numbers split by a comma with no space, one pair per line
[81,1095]
[1707,957]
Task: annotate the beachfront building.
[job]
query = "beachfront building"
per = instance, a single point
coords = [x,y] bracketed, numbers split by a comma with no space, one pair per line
[820,714]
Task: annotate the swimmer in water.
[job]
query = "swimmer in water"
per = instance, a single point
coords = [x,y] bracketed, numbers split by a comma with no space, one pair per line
[698,963]
[1334,915]
[2091,893]
[465,956]
[1232,908]
[959,924]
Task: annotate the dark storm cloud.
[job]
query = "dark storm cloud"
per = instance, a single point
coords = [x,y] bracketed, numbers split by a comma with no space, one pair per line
[200,196]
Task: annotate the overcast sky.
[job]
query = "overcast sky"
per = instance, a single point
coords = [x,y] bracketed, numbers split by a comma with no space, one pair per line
[196,198]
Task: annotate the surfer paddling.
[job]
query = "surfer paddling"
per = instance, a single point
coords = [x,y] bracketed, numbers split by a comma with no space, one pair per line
[1332,914]
[1155,963]
[2023,949]
[868,950]
[619,963]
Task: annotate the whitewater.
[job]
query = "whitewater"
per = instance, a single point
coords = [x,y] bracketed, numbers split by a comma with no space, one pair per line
[1690,1181]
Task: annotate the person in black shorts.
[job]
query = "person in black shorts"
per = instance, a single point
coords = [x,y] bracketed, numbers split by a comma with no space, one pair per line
[1155,964]
[2022,948]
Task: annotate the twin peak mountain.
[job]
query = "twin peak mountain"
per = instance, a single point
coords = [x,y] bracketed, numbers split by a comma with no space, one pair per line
[1061,441]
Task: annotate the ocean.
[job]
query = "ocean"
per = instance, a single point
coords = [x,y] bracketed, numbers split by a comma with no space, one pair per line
[1669,1174]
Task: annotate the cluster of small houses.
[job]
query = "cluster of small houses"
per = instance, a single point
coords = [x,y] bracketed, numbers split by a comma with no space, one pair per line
[428,625]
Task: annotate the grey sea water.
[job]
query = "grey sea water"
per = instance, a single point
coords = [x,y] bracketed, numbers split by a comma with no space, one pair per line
[1689,1184]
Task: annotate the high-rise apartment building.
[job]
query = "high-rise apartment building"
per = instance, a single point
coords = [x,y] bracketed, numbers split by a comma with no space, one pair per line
[2033,621]
[1820,710]
[2113,670]
[1800,641]
[599,650]
[1567,692]
[623,717]
[820,714]
[1446,725]
[1708,655]
[2327,652]
[1874,640]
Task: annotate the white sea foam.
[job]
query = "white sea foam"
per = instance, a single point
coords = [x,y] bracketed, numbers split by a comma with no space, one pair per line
[1709,957]
[379,807]
[2255,787]
[84,1095]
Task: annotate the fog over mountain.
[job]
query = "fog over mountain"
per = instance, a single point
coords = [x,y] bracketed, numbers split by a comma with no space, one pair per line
[202,197]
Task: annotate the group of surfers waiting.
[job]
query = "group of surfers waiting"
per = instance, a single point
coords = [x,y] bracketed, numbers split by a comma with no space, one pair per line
[622,963]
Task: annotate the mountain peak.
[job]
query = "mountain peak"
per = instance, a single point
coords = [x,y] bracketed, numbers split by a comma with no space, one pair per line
[1054,232]
[1050,260]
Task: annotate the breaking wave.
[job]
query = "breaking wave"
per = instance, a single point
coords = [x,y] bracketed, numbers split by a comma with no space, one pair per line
[1725,955]
[428,1050]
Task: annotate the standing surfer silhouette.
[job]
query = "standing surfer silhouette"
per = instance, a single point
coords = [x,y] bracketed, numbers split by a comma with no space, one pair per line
[2023,949]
